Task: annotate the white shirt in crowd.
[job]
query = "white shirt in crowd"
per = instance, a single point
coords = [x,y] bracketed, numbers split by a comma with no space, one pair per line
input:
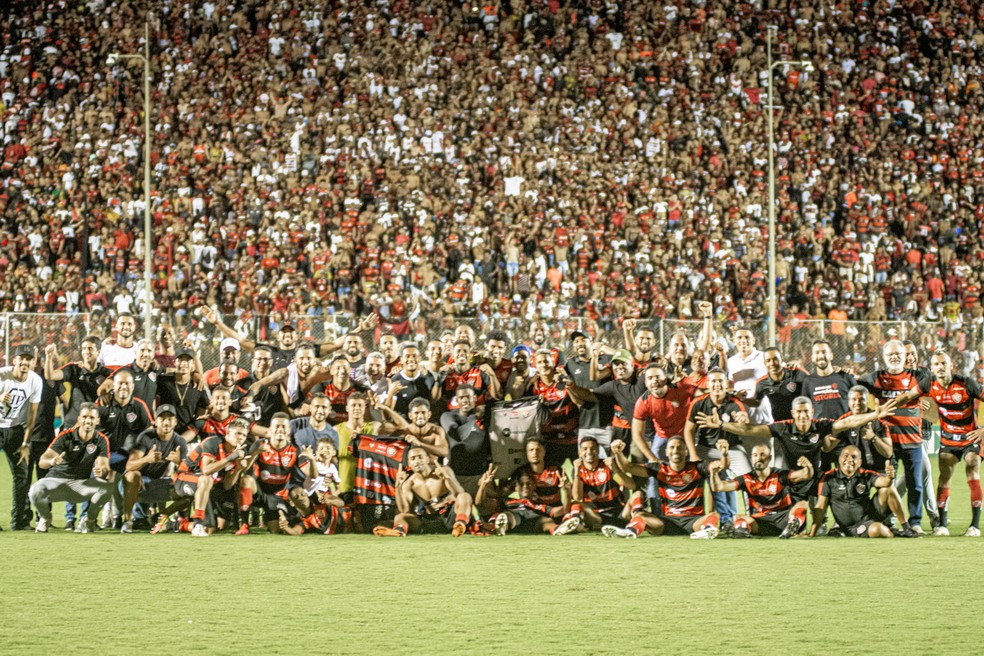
[744,373]
[22,393]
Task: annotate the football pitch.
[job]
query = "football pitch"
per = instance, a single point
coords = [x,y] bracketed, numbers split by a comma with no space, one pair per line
[581,594]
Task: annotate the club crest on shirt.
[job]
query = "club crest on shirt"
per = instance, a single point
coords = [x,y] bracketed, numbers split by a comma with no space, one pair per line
[861,529]
[152,376]
[957,397]
[791,387]
[390,452]
[675,404]
[90,448]
[131,417]
[725,417]
[285,460]
[905,381]
[813,438]
[860,488]
[602,476]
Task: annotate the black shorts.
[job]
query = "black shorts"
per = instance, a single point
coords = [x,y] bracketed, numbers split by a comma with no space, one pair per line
[679,525]
[369,516]
[271,504]
[222,504]
[805,490]
[859,530]
[612,517]
[960,452]
[439,522]
[185,488]
[772,524]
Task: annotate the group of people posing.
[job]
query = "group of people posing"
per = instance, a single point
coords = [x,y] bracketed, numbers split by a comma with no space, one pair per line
[331,437]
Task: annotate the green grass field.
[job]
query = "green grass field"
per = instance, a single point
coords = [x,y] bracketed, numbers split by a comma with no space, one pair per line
[583,594]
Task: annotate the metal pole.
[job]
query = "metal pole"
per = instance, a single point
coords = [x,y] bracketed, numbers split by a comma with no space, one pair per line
[772,203]
[148,228]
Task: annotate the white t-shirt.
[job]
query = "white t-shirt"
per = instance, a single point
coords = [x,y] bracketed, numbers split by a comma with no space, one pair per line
[744,375]
[325,481]
[114,355]
[23,393]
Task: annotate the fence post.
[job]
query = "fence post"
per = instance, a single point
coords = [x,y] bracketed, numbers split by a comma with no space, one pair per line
[902,328]
[6,338]
[662,338]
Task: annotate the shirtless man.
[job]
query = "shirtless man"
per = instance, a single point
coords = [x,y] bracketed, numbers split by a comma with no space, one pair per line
[420,431]
[430,500]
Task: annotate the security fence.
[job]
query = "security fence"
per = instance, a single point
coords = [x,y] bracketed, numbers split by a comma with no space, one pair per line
[856,344]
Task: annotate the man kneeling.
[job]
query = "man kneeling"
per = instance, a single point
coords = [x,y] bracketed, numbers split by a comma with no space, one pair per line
[78,464]
[430,500]
[858,513]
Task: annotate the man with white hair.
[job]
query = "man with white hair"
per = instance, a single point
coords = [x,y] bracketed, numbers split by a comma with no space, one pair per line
[905,425]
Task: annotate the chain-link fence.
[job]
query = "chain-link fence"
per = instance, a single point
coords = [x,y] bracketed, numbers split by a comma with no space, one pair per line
[854,343]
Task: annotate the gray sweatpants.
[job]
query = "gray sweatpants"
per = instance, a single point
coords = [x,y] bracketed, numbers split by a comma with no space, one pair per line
[74,490]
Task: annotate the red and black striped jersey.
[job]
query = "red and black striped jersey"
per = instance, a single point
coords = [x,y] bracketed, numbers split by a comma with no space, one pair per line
[599,487]
[681,493]
[338,399]
[766,496]
[210,427]
[325,520]
[956,404]
[377,462]
[547,484]
[905,426]
[273,469]
[474,377]
[215,448]
[562,424]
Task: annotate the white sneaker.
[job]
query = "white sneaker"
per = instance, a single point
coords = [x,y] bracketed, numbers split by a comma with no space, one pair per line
[706,533]
[972,532]
[916,528]
[88,526]
[568,526]
[106,517]
[80,523]
[42,526]
[616,532]
[941,531]
[501,524]
[199,531]
[127,527]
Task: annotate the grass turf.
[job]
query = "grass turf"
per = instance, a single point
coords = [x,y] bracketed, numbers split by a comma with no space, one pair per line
[583,594]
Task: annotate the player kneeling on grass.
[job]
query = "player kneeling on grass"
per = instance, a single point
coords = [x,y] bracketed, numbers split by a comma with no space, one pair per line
[527,513]
[681,492]
[430,500]
[598,498]
[848,490]
[271,475]
[770,505]
[210,475]
[146,476]
[78,465]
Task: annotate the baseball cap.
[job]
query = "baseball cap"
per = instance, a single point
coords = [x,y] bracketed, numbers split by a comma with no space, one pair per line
[24,350]
[622,355]
[229,342]
[184,353]
[166,409]
[578,333]
[287,325]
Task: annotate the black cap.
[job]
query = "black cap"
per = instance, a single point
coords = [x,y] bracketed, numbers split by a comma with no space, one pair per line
[166,409]
[287,325]
[25,350]
[184,353]
[578,333]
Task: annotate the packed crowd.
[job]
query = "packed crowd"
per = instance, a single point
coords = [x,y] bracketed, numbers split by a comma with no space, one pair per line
[329,437]
[515,158]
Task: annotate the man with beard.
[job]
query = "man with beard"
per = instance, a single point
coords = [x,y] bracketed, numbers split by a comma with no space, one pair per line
[265,395]
[960,441]
[559,430]
[597,494]
[267,482]
[827,387]
[540,340]
[307,431]
[338,388]
[85,376]
[435,357]
[430,500]
[639,341]
[681,495]
[527,513]
[704,442]
[146,476]
[145,372]
[78,466]
[122,351]
[905,425]
[520,380]
[287,343]
[389,350]
[466,432]
[371,377]
[780,385]
[665,404]
[594,414]
[412,382]
[323,515]
[420,431]
[848,491]
[177,389]
[228,354]
[771,508]
[353,351]
[481,378]
[122,418]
